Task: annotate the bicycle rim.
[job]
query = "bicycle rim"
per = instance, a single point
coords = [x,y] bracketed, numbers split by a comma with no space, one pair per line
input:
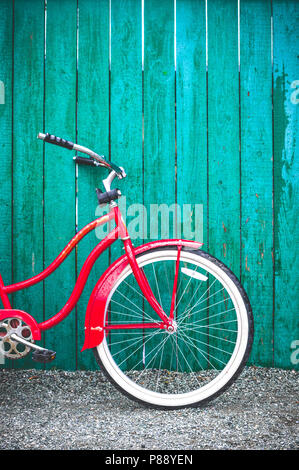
[206,351]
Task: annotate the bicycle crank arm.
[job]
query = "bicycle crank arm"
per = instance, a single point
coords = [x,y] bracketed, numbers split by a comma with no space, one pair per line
[40,354]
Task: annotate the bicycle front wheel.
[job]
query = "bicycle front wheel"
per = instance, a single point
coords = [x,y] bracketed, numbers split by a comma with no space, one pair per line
[208,347]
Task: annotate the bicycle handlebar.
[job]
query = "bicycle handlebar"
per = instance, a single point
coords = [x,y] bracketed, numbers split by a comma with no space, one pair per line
[95,160]
[52,139]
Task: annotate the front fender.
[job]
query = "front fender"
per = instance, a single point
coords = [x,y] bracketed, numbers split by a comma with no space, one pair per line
[94,320]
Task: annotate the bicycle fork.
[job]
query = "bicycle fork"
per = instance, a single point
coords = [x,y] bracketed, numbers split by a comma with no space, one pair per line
[168,322]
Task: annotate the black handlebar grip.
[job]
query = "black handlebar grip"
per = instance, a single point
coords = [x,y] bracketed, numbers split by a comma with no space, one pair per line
[52,139]
[85,161]
[105,198]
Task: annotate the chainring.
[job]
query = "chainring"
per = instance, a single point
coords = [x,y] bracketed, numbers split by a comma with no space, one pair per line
[10,348]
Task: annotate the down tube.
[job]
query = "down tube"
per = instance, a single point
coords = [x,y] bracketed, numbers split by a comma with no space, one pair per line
[60,258]
[81,281]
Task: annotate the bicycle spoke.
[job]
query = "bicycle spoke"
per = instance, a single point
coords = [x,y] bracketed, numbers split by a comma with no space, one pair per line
[186,314]
[215,315]
[210,355]
[129,346]
[184,292]
[154,357]
[166,277]
[153,266]
[187,363]
[135,319]
[160,367]
[126,340]
[186,342]
[141,339]
[129,300]
[212,326]
[212,336]
[124,306]
[193,295]
[210,306]
[199,328]
[133,288]
[210,345]
[204,300]
[138,363]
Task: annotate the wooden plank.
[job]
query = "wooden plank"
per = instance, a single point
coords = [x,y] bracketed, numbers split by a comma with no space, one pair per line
[223,150]
[92,132]
[6,41]
[159,114]
[286,195]
[191,118]
[256,171]
[191,126]
[59,196]
[223,132]
[126,104]
[126,129]
[159,124]
[28,155]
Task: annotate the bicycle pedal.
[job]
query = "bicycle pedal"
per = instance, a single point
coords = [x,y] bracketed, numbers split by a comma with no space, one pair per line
[43,356]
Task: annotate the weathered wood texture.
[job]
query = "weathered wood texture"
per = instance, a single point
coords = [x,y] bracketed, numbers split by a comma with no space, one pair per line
[198,100]
[256,171]
[286,171]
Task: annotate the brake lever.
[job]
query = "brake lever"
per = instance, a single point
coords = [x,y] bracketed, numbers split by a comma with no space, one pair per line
[123,173]
[86,161]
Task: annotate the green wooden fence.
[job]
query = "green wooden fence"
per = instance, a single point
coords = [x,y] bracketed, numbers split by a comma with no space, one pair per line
[198,100]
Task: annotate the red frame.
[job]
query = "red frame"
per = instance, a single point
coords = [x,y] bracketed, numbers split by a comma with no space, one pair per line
[94,333]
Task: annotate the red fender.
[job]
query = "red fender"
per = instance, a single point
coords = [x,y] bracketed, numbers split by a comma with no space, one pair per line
[28,319]
[94,320]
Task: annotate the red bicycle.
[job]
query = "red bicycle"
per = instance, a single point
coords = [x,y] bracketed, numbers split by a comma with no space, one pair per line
[169,324]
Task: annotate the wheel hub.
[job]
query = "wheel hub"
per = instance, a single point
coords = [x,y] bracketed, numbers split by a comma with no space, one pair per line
[172,328]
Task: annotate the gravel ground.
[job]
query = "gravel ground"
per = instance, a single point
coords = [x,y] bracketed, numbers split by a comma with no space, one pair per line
[82,410]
